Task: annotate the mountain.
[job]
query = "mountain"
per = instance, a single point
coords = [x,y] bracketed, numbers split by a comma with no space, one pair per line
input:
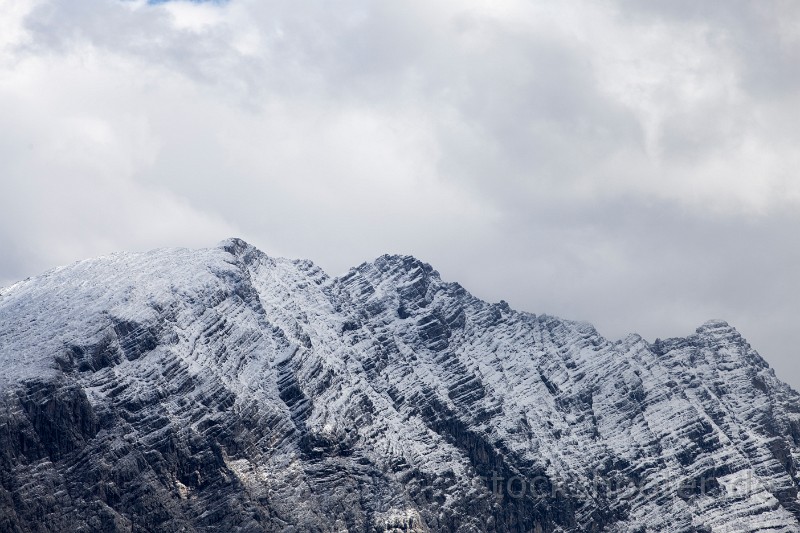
[224,390]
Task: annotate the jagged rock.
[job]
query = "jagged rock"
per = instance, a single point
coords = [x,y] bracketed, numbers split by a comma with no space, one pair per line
[224,390]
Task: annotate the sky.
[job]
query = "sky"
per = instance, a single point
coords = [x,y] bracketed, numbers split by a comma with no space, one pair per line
[631,164]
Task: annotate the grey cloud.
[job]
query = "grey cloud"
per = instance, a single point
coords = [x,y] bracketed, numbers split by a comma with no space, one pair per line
[764,35]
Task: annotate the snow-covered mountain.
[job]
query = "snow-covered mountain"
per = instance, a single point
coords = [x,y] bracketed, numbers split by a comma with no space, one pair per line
[224,390]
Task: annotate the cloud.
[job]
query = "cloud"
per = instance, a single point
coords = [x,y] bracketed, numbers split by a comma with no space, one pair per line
[627,163]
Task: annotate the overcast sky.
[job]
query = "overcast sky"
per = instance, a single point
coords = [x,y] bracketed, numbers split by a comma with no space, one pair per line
[633,164]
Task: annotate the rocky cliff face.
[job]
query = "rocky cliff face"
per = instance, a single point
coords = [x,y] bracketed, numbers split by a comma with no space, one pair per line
[223,390]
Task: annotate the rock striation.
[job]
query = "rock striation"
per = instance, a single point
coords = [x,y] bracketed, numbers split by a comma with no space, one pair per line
[225,390]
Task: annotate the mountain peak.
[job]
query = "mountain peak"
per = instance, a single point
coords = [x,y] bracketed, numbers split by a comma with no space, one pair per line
[715,324]
[236,246]
[402,262]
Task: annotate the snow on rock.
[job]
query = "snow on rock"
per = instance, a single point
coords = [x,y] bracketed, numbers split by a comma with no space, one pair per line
[222,390]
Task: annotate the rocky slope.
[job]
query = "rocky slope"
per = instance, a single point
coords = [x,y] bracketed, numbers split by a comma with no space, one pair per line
[224,390]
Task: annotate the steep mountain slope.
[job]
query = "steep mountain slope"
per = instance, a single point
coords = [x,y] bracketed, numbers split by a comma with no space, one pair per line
[223,390]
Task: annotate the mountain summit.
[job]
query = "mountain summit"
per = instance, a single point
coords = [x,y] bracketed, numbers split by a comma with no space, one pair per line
[224,390]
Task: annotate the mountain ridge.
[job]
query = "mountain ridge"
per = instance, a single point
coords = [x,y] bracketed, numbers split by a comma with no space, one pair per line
[222,389]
